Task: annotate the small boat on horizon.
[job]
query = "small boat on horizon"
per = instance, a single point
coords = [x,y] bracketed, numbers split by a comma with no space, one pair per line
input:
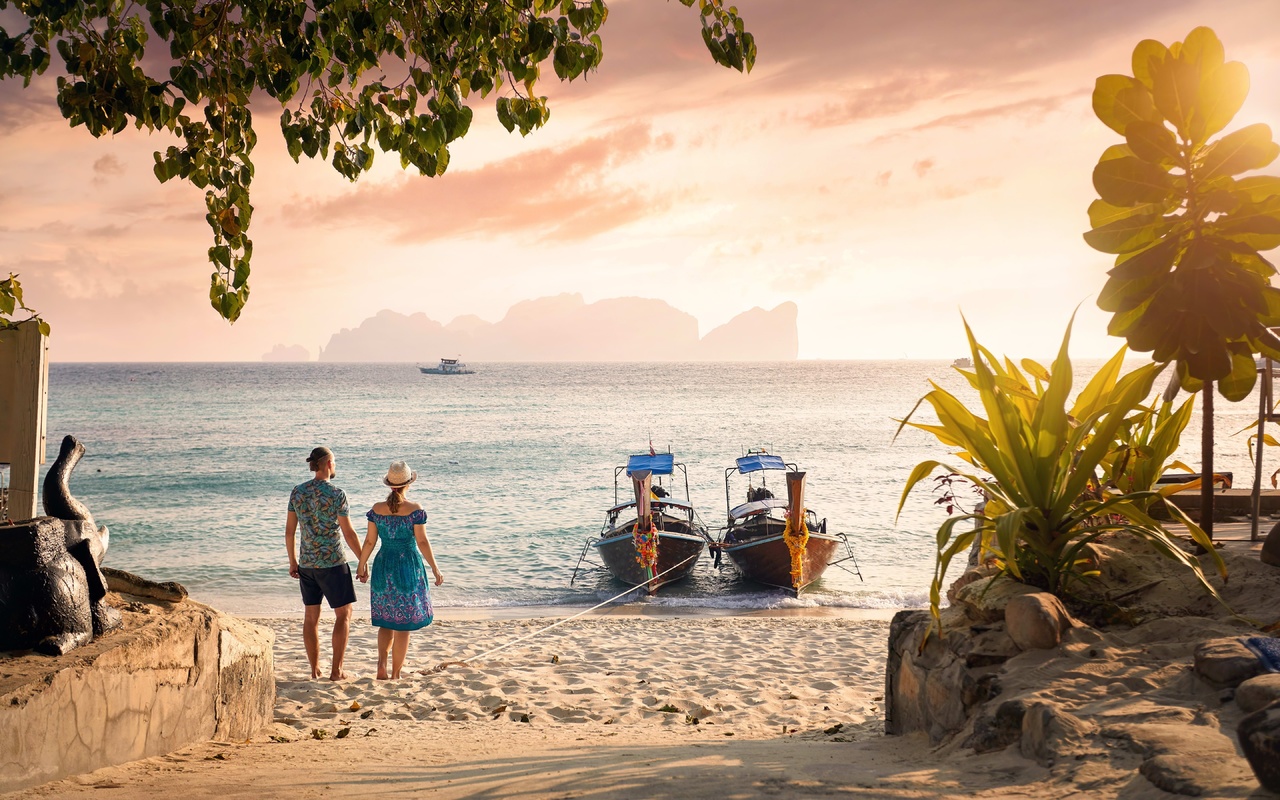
[448,366]
[964,362]
[776,542]
[654,538]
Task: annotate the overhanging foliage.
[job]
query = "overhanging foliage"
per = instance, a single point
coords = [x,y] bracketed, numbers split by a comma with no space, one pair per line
[349,74]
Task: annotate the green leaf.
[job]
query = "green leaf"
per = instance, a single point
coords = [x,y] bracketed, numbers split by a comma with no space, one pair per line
[1131,181]
[1126,235]
[1153,143]
[1222,93]
[1237,385]
[1103,213]
[1119,100]
[1246,149]
[1203,48]
[1177,85]
[1258,187]
[1147,55]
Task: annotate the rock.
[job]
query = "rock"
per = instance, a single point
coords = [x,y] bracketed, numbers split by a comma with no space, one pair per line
[989,648]
[1260,740]
[945,705]
[998,730]
[1271,547]
[902,692]
[1192,776]
[1192,760]
[183,675]
[1048,731]
[126,582]
[985,599]
[1258,692]
[970,575]
[1226,662]
[1036,621]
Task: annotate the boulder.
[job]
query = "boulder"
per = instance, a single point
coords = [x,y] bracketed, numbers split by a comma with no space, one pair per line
[1260,740]
[1036,621]
[1226,663]
[1258,692]
[1198,776]
[1049,731]
[1191,760]
[985,599]
[996,731]
[173,675]
[988,648]
[1271,547]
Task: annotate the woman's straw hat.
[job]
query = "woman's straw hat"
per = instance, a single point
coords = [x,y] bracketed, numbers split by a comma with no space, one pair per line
[399,475]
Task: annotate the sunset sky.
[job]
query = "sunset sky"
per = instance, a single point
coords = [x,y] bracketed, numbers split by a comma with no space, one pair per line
[887,165]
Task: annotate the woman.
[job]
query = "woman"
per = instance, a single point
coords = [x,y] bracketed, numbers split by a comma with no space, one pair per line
[400,600]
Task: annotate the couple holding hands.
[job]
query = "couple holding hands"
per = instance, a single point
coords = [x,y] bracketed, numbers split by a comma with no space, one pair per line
[400,600]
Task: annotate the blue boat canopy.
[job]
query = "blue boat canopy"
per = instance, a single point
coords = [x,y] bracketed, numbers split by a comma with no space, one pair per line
[759,461]
[661,464]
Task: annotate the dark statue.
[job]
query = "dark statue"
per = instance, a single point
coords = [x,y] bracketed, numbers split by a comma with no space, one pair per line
[52,588]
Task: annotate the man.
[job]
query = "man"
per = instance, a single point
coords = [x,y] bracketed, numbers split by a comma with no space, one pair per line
[321,565]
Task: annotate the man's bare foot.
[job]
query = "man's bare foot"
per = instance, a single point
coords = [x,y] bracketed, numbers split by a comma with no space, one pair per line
[337,675]
[315,673]
[382,675]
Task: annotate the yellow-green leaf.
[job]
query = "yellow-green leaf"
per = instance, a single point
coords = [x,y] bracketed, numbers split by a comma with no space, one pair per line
[1131,181]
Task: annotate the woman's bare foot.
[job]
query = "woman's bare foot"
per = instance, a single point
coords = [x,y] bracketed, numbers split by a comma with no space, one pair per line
[315,673]
[382,674]
[337,675]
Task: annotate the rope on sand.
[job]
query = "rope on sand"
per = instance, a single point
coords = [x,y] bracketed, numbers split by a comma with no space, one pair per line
[441,667]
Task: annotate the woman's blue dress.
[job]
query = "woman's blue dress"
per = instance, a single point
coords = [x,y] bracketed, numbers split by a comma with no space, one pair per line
[399,597]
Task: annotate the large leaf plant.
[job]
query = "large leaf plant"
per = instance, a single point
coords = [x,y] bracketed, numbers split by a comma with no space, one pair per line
[1185,223]
[1045,465]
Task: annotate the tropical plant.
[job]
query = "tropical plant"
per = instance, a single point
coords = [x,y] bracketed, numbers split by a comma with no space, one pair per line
[11,302]
[1189,284]
[349,74]
[1144,447]
[1038,461]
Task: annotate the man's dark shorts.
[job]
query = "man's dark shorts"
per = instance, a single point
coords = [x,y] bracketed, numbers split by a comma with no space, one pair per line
[331,583]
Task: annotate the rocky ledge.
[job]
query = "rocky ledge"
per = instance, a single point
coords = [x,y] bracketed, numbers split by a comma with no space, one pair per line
[1161,684]
[175,673]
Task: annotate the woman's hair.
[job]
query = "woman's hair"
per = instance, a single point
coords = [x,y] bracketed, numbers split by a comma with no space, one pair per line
[395,498]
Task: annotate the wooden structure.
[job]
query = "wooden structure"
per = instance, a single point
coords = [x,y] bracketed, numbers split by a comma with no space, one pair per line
[1266,412]
[24,399]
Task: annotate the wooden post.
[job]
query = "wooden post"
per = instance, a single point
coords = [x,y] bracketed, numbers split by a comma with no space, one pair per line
[24,400]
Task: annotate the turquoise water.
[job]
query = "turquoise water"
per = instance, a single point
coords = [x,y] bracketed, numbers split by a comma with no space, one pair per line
[191,465]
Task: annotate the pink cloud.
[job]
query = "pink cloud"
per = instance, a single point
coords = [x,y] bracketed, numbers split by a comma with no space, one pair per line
[562,194]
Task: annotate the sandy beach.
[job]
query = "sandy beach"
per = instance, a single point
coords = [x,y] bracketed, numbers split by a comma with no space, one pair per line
[619,706]
[663,706]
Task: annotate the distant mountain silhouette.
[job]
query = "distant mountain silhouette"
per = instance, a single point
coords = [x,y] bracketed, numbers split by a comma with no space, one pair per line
[287,353]
[566,328]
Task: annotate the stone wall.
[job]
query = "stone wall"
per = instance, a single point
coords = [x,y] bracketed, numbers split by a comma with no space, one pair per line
[177,673]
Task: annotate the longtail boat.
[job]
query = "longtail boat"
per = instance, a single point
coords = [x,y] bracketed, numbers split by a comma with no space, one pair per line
[776,542]
[653,538]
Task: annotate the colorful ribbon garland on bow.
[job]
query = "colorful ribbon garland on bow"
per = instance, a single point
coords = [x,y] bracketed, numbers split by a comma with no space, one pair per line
[646,543]
[796,542]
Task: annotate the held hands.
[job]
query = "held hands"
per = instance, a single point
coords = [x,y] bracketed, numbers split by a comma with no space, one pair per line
[362,572]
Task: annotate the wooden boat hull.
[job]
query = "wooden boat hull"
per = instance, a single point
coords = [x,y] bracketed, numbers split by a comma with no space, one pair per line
[767,559]
[618,552]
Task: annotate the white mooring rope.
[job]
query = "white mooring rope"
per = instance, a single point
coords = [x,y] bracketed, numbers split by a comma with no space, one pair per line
[443,665]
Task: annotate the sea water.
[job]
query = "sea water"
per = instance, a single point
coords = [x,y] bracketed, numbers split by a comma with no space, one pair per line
[190,465]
